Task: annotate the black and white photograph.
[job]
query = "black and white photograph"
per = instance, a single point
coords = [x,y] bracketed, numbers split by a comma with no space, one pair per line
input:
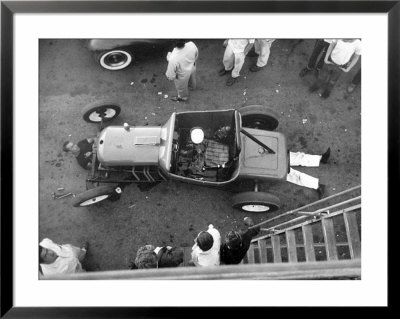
[165,153]
[182,156]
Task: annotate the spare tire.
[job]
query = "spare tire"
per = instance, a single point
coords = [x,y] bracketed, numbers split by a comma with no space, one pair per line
[259,117]
[103,110]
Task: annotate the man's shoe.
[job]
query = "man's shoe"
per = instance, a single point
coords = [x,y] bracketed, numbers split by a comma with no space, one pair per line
[223,72]
[255,68]
[325,156]
[304,71]
[85,246]
[351,88]
[321,190]
[325,94]
[178,99]
[248,221]
[230,81]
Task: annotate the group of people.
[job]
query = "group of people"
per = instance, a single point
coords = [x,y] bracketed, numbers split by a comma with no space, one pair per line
[208,250]
[330,56]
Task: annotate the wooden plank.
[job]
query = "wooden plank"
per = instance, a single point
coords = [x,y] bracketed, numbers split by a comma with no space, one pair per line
[263,250]
[276,249]
[329,237]
[342,269]
[308,242]
[353,236]
[250,255]
[291,243]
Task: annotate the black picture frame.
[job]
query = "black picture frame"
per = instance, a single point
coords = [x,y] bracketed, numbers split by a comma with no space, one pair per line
[9,8]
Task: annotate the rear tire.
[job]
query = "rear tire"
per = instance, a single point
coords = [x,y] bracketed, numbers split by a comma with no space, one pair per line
[256,202]
[259,117]
[94,196]
[104,110]
[114,60]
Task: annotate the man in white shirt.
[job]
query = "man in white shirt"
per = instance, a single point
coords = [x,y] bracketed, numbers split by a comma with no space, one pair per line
[263,48]
[205,251]
[235,53]
[60,259]
[182,68]
[341,56]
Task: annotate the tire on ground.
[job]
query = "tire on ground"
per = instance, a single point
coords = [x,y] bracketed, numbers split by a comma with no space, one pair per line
[93,196]
[259,202]
[259,116]
[91,112]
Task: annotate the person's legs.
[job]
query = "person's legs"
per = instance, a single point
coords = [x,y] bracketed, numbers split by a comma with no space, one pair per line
[228,59]
[356,81]
[322,80]
[263,48]
[181,85]
[334,77]
[318,47]
[239,61]
[323,49]
[302,179]
[192,79]
[303,159]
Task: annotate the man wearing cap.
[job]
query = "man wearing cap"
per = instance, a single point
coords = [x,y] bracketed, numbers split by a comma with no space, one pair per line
[205,251]
[83,151]
[237,244]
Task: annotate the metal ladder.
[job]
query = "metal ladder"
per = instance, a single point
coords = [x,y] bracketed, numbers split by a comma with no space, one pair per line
[310,236]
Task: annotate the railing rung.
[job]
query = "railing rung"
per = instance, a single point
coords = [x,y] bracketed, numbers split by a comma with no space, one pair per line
[353,236]
[250,254]
[291,246]
[308,242]
[329,236]
[262,248]
[276,249]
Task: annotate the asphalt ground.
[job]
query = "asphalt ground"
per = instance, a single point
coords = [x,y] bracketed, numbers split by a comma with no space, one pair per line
[173,213]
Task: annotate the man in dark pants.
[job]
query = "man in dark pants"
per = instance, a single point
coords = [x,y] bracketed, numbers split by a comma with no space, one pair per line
[236,244]
[320,48]
[83,151]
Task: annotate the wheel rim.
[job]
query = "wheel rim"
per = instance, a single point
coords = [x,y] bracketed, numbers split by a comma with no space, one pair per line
[257,208]
[94,200]
[259,122]
[102,113]
[115,60]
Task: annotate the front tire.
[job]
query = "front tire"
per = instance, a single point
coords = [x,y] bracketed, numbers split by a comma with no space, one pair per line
[103,110]
[114,60]
[259,117]
[94,196]
[256,202]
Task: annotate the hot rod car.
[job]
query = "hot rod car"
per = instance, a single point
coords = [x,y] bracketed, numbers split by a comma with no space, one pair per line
[209,148]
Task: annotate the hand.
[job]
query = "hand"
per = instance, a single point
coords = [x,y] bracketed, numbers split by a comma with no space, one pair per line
[88,154]
[345,69]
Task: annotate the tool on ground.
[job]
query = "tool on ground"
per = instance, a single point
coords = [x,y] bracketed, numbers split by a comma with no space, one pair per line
[61,195]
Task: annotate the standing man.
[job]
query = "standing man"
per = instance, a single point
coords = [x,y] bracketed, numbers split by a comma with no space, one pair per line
[182,68]
[237,244]
[83,151]
[263,48]
[60,259]
[235,53]
[341,56]
[205,251]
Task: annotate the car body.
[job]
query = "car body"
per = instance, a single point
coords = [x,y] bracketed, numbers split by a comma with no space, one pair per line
[118,54]
[229,151]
